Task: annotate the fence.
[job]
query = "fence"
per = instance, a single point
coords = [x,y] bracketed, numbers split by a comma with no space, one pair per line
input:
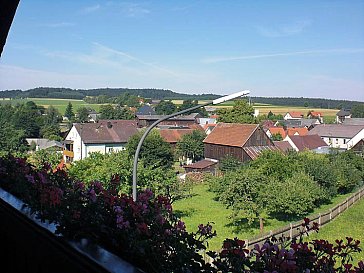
[292,230]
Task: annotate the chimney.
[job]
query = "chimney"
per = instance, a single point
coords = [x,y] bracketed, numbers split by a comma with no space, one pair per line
[109,125]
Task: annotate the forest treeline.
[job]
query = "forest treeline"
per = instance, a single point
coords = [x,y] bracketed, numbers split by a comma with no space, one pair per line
[165,94]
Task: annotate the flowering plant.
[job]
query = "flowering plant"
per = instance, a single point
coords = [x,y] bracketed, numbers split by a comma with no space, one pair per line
[147,232]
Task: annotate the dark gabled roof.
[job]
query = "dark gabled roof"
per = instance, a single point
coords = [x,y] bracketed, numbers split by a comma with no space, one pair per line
[145,110]
[254,151]
[309,142]
[298,123]
[107,131]
[284,146]
[231,134]
[156,117]
[343,113]
[353,121]
[202,164]
[336,130]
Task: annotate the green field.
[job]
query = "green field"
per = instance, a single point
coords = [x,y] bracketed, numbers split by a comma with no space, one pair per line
[59,104]
[348,224]
[276,109]
[202,208]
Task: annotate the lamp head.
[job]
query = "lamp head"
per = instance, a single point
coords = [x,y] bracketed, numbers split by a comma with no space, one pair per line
[231,96]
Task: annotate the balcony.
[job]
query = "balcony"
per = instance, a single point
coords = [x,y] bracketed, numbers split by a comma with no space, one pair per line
[28,245]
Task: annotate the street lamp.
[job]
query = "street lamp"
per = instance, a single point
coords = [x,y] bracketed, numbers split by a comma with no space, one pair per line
[214,102]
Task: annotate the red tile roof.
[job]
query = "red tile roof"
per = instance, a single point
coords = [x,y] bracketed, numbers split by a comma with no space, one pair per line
[297,131]
[231,134]
[277,130]
[316,114]
[107,131]
[174,135]
[296,114]
[309,142]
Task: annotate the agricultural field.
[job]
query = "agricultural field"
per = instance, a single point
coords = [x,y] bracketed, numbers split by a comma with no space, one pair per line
[59,104]
[276,109]
[202,208]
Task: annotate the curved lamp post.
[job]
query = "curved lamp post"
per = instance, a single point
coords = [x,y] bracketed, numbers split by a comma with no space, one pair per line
[214,102]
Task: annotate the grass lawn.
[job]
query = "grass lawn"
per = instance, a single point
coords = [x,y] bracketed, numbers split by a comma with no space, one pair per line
[202,208]
[348,224]
[59,104]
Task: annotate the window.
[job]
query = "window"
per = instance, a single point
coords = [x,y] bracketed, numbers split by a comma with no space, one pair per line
[344,141]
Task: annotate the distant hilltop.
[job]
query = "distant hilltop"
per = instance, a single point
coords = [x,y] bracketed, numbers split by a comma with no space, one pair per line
[165,94]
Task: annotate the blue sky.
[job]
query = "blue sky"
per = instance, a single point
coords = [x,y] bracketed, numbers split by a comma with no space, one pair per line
[273,48]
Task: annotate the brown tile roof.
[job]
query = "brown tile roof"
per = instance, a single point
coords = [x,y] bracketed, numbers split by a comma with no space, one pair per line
[231,134]
[107,131]
[284,146]
[195,126]
[174,135]
[277,130]
[296,114]
[254,151]
[266,124]
[309,142]
[297,131]
[202,164]
[336,130]
[316,114]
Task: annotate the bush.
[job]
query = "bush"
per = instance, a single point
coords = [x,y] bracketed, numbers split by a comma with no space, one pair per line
[319,167]
[294,197]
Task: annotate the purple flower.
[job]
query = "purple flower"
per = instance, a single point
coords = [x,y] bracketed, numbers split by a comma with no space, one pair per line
[30,178]
[92,195]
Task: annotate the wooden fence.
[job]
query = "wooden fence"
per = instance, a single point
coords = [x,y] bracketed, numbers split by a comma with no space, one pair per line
[293,229]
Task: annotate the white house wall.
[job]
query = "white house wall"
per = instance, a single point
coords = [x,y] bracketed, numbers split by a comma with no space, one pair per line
[74,136]
[337,142]
[359,136]
[103,148]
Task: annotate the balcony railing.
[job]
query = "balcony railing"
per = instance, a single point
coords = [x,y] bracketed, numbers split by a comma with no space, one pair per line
[28,245]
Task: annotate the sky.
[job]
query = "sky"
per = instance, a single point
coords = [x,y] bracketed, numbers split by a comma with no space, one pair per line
[272,48]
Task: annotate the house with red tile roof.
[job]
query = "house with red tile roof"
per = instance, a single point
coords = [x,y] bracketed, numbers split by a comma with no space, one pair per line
[293,115]
[242,141]
[104,136]
[297,131]
[172,136]
[276,130]
[315,115]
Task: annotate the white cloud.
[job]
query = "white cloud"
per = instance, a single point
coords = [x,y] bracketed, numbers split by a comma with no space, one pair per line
[296,53]
[284,30]
[91,9]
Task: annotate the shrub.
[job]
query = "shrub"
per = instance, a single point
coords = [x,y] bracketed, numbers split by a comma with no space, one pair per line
[294,197]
